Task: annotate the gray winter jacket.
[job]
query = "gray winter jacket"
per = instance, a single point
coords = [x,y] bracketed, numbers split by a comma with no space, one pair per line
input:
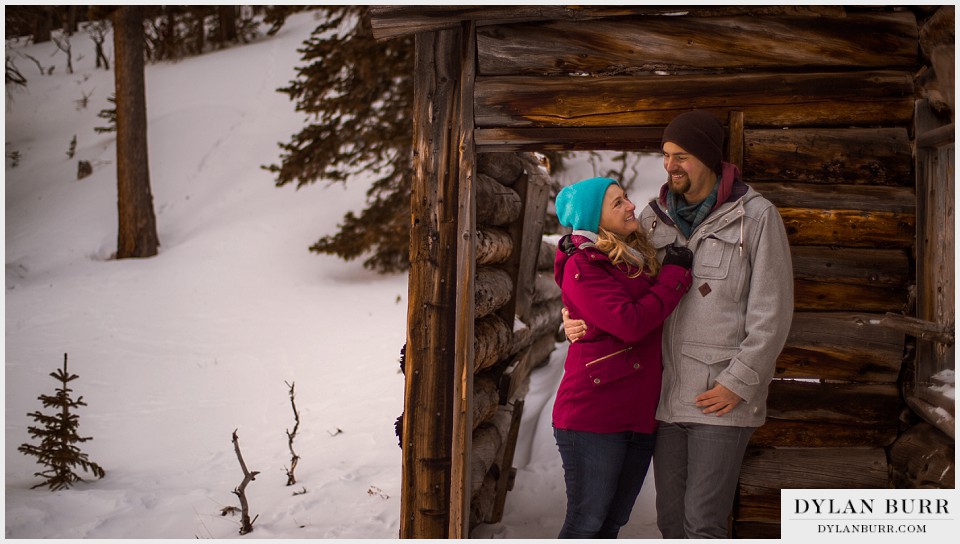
[732,324]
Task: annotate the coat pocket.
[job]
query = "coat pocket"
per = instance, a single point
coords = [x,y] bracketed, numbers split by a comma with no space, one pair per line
[606,363]
[715,253]
[700,364]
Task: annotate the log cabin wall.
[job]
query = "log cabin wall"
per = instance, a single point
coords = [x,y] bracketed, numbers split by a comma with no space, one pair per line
[819,104]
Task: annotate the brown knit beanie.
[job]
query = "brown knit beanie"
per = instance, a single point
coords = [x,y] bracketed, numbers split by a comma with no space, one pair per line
[699,133]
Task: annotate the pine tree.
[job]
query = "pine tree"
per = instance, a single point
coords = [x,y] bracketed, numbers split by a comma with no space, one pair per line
[58,435]
[360,94]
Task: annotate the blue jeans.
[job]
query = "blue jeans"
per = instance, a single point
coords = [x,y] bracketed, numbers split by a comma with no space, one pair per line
[696,469]
[603,474]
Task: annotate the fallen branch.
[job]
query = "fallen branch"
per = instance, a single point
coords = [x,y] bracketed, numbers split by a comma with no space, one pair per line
[246,525]
[294,458]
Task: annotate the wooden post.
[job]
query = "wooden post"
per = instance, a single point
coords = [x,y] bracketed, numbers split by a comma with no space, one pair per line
[460,491]
[735,139]
[431,314]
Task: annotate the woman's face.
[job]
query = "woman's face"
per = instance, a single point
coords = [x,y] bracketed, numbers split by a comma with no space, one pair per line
[617,214]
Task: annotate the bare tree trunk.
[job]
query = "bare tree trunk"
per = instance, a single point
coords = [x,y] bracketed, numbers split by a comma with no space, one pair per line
[137,236]
[228,24]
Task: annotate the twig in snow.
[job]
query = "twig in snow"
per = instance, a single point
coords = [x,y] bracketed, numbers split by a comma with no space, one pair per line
[294,458]
[246,525]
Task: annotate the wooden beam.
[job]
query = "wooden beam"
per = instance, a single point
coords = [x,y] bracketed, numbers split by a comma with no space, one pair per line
[869,98]
[874,267]
[431,313]
[815,434]
[735,139]
[847,404]
[766,471]
[463,387]
[644,44]
[569,138]
[866,198]
[922,329]
[841,346]
[865,156]
[494,287]
[820,296]
[848,228]
[396,20]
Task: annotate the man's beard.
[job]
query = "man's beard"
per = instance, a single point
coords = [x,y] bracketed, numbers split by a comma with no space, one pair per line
[680,188]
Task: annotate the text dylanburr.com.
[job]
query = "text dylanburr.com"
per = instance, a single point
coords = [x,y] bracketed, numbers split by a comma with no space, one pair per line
[927,514]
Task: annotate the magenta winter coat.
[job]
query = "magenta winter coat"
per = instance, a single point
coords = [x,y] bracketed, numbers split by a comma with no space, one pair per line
[611,379]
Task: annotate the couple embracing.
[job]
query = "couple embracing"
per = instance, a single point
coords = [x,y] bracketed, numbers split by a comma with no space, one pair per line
[676,318]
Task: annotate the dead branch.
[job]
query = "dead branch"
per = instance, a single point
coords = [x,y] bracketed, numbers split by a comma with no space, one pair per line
[294,458]
[246,525]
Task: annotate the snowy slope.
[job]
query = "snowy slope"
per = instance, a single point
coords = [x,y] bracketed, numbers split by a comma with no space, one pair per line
[176,351]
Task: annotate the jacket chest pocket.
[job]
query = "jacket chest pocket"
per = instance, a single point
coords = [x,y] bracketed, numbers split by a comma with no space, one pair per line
[605,364]
[715,254]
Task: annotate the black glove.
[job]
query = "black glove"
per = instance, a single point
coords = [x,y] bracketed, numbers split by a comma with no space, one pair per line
[679,255]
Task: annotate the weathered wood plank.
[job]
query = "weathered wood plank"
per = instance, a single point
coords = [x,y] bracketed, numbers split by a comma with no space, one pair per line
[923,458]
[813,434]
[874,156]
[840,346]
[871,98]
[936,247]
[842,197]
[922,329]
[493,288]
[396,20]
[848,228]
[848,404]
[505,462]
[766,471]
[630,45]
[463,387]
[877,267]
[735,139]
[527,231]
[569,138]
[820,296]
[431,315]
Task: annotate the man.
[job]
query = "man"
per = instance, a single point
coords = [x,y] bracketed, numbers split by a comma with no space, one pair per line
[721,343]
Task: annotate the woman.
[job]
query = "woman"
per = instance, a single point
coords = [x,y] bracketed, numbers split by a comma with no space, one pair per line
[603,417]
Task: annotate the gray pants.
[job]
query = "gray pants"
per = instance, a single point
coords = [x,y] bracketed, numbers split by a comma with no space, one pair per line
[696,468]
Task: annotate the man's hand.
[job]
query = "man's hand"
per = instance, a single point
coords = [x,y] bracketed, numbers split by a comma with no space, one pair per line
[719,400]
[575,329]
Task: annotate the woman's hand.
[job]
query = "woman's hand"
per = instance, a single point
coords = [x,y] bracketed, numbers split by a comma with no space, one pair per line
[575,329]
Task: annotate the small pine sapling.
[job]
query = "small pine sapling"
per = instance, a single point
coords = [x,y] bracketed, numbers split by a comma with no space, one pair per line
[58,435]
[294,458]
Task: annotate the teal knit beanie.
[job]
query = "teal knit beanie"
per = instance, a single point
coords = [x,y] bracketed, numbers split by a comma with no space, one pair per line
[579,205]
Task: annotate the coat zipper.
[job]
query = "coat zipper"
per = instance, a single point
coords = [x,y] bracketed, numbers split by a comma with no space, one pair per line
[605,357]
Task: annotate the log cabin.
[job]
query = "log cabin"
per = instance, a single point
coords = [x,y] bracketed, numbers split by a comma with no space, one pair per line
[842,116]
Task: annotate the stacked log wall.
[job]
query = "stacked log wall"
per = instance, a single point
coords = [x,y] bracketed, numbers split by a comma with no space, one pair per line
[516,312]
[820,108]
[818,112]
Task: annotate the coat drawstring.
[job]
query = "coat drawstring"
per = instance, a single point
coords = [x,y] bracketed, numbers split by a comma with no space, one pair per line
[741,235]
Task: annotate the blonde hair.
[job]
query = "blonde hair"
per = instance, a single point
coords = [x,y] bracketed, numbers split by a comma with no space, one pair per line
[643,256]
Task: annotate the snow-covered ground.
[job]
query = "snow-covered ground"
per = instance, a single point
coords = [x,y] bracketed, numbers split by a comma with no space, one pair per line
[176,351]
